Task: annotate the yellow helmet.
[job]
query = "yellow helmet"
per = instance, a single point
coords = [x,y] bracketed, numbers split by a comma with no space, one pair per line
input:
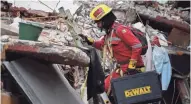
[99,12]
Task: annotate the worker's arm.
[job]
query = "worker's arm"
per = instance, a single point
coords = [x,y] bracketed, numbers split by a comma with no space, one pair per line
[132,42]
[99,43]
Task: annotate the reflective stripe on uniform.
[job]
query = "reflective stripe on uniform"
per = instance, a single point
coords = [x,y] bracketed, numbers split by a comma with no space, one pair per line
[137,46]
[114,39]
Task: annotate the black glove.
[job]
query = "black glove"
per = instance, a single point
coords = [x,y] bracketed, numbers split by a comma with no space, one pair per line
[87,39]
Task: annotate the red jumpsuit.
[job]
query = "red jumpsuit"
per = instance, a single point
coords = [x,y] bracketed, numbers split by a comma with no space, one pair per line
[125,46]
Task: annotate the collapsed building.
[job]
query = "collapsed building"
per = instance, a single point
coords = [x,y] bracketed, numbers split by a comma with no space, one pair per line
[59,45]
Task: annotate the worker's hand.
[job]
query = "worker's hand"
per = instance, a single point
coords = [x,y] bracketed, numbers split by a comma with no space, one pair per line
[132,64]
[132,67]
[89,40]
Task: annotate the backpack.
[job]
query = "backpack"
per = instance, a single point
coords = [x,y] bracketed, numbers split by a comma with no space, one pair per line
[141,36]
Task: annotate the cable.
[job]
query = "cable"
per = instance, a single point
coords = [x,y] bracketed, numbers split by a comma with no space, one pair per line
[14,2]
[173,92]
[164,100]
[29,6]
[177,97]
[46,5]
[57,5]
[139,17]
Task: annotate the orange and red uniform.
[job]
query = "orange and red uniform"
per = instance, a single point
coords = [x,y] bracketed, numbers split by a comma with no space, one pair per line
[125,46]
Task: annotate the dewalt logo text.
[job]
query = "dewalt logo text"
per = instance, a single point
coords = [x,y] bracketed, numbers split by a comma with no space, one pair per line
[138,91]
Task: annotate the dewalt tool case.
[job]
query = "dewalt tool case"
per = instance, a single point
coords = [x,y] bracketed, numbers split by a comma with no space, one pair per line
[137,89]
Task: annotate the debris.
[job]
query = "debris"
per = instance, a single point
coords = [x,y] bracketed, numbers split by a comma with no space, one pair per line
[59,39]
[163,10]
[8,30]
[165,24]
[5,5]
[8,98]
[38,13]
[184,95]
[176,36]
[15,23]
[5,38]
[52,53]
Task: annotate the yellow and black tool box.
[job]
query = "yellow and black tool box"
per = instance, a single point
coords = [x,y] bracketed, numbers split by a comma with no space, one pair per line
[137,89]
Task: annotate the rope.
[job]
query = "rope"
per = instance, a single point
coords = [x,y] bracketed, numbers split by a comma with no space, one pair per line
[104,56]
[111,58]
[107,44]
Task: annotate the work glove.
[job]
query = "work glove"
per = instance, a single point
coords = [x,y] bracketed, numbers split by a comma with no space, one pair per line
[132,64]
[89,40]
[132,67]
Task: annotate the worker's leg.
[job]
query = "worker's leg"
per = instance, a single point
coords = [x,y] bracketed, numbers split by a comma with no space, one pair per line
[108,79]
[116,75]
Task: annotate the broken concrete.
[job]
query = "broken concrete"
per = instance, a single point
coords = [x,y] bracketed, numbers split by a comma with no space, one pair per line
[38,13]
[8,30]
[52,53]
[166,24]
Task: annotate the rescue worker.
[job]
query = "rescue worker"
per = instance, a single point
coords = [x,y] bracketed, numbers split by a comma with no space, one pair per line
[122,44]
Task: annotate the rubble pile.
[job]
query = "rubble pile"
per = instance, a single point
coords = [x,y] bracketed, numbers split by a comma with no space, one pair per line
[168,13]
[56,37]
[59,38]
[128,9]
[7,10]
